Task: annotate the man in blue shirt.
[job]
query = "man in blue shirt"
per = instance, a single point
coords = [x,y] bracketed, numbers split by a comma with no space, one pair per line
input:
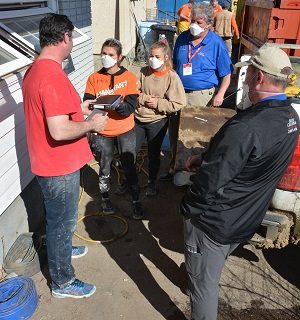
[201,59]
[202,62]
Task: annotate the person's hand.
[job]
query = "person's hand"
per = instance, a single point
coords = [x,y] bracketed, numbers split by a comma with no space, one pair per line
[218,100]
[152,102]
[193,163]
[98,122]
[85,107]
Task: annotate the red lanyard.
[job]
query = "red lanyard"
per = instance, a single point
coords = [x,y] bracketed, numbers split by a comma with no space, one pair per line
[190,55]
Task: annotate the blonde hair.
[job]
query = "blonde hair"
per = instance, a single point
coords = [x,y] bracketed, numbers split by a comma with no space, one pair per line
[164,46]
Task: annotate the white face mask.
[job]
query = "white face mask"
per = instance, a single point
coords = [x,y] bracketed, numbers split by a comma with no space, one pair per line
[155,63]
[245,102]
[108,61]
[195,29]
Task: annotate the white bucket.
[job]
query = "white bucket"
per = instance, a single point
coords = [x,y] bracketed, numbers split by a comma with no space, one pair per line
[182,178]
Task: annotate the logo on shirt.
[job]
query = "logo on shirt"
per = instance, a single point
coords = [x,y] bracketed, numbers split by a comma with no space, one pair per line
[117,86]
[292,125]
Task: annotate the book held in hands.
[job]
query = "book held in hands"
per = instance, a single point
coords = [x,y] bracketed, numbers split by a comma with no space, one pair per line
[107,102]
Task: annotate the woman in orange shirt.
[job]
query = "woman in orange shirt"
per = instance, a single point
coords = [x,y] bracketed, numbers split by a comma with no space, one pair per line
[119,130]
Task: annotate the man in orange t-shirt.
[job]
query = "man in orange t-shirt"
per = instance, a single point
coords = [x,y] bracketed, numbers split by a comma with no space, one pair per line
[184,13]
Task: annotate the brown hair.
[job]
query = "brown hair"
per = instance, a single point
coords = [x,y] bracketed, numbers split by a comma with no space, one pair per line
[114,43]
[163,44]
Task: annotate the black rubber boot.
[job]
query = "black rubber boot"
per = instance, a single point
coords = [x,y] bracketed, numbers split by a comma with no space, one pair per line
[136,204]
[151,190]
[137,213]
[107,207]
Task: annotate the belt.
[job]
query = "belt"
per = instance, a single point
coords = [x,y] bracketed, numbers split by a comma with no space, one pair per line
[226,38]
[191,91]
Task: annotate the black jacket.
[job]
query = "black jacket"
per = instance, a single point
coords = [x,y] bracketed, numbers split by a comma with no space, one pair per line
[234,186]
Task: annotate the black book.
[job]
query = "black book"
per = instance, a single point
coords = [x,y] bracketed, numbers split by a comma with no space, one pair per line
[107,102]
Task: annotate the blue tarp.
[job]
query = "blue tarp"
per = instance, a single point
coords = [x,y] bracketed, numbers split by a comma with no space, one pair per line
[167,9]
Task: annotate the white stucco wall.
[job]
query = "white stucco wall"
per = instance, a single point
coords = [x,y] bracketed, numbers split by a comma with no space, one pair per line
[114,19]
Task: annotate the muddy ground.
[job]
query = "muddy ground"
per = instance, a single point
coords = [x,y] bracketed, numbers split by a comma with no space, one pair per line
[142,274]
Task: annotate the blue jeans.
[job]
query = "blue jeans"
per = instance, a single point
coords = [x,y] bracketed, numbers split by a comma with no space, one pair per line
[61,196]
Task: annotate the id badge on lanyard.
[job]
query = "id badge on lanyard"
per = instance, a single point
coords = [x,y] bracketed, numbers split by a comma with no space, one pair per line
[188,67]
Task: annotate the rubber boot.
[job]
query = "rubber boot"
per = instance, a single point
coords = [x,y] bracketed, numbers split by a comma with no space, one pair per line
[107,207]
[136,204]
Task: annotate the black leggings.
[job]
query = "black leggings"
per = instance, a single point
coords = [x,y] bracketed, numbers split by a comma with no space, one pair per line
[154,132]
[105,149]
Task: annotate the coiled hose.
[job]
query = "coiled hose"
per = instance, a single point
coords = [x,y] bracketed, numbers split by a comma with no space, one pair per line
[139,165]
[23,256]
[18,298]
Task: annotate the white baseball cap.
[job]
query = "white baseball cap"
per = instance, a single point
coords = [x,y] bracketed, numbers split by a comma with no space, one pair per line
[271,60]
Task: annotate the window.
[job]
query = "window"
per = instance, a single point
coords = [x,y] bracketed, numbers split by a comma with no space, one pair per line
[10,59]
[26,29]
[19,24]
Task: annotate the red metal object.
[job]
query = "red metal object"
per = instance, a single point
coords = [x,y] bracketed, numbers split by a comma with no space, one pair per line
[263,23]
[289,4]
[284,24]
[291,179]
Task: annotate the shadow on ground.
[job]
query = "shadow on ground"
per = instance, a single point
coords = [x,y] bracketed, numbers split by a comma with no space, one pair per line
[153,240]
[161,228]
[286,262]
[256,312]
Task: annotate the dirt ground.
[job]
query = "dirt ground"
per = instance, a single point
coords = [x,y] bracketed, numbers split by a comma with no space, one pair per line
[142,275]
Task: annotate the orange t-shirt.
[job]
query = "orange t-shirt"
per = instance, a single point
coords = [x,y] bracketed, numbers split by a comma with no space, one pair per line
[185,10]
[217,9]
[124,83]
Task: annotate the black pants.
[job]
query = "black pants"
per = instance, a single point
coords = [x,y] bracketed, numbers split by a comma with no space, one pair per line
[105,148]
[174,121]
[154,132]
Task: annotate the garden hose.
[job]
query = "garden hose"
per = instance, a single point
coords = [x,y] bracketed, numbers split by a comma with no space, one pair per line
[115,237]
[18,298]
[139,165]
[22,258]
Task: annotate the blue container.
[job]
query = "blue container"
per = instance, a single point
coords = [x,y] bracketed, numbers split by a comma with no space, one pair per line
[166,143]
[147,34]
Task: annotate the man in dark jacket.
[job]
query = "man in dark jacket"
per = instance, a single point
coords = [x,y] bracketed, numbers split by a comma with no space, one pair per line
[237,177]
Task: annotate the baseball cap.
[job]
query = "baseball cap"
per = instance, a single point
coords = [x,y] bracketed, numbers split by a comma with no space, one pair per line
[270,59]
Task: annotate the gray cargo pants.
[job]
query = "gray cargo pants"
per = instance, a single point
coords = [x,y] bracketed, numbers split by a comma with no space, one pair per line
[204,261]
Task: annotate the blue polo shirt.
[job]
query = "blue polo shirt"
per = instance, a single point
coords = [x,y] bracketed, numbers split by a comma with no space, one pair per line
[281,96]
[210,64]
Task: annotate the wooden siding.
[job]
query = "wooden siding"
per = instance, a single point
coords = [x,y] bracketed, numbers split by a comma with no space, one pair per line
[15,171]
